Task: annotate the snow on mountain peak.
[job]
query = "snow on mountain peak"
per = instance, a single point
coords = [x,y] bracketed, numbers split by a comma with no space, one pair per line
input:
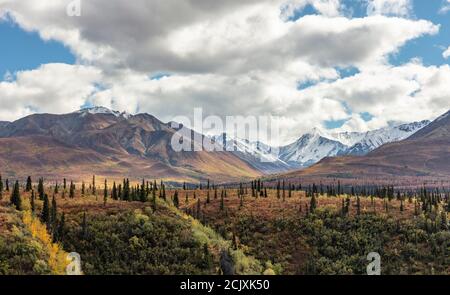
[102,110]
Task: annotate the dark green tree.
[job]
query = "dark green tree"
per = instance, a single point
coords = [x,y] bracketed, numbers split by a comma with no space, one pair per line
[41,189]
[176,201]
[29,184]
[45,214]
[313,203]
[16,200]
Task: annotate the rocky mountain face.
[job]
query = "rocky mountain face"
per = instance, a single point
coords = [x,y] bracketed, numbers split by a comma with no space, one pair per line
[318,144]
[425,153]
[138,143]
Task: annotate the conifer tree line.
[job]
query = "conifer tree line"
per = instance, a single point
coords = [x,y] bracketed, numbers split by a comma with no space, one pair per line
[426,200]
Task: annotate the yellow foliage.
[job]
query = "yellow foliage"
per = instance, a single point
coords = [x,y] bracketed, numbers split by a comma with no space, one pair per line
[57,258]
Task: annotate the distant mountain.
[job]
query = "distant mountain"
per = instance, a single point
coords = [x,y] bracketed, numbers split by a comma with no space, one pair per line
[3,124]
[256,153]
[105,142]
[367,142]
[318,144]
[311,148]
[425,153]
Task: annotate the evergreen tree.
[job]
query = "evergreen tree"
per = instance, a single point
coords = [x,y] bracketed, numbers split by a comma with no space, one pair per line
[114,195]
[7,185]
[313,203]
[176,201]
[16,200]
[72,190]
[53,214]
[45,214]
[142,192]
[94,191]
[105,193]
[83,188]
[154,198]
[29,184]
[41,189]
[61,229]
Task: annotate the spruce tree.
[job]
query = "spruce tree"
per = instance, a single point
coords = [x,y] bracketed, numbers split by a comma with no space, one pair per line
[72,190]
[154,198]
[60,231]
[45,214]
[53,214]
[142,192]
[16,200]
[176,201]
[29,184]
[313,203]
[41,189]
[105,193]
[114,191]
[94,191]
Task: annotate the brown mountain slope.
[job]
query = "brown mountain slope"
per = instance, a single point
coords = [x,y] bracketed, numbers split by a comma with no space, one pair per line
[80,144]
[426,153]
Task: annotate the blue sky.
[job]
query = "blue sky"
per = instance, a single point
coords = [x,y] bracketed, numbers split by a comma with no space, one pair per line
[142,58]
[26,51]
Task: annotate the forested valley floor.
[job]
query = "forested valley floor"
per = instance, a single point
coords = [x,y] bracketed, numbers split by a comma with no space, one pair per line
[152,228]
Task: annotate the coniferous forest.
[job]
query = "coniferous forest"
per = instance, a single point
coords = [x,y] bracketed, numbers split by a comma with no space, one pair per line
[258,227]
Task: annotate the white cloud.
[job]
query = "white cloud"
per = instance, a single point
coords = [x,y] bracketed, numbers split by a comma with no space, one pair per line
[234,57]
[54,88]
[446,53]
[445,7]
[401,8]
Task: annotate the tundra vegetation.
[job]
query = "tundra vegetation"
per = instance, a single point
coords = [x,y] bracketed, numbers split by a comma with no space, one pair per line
[150,227]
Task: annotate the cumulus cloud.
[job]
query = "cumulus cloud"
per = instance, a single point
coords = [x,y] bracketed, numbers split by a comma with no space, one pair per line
[446,53]
[53,88]
[237,57]
[390,7]
[445,7]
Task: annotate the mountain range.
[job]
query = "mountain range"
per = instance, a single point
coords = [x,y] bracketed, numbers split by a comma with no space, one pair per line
[316,145]
[424,153]
[110,143]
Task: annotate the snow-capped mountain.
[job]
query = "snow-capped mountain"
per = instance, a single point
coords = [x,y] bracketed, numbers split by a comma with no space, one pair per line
[313,146]
[256,153]
[102,110]
[371,140]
